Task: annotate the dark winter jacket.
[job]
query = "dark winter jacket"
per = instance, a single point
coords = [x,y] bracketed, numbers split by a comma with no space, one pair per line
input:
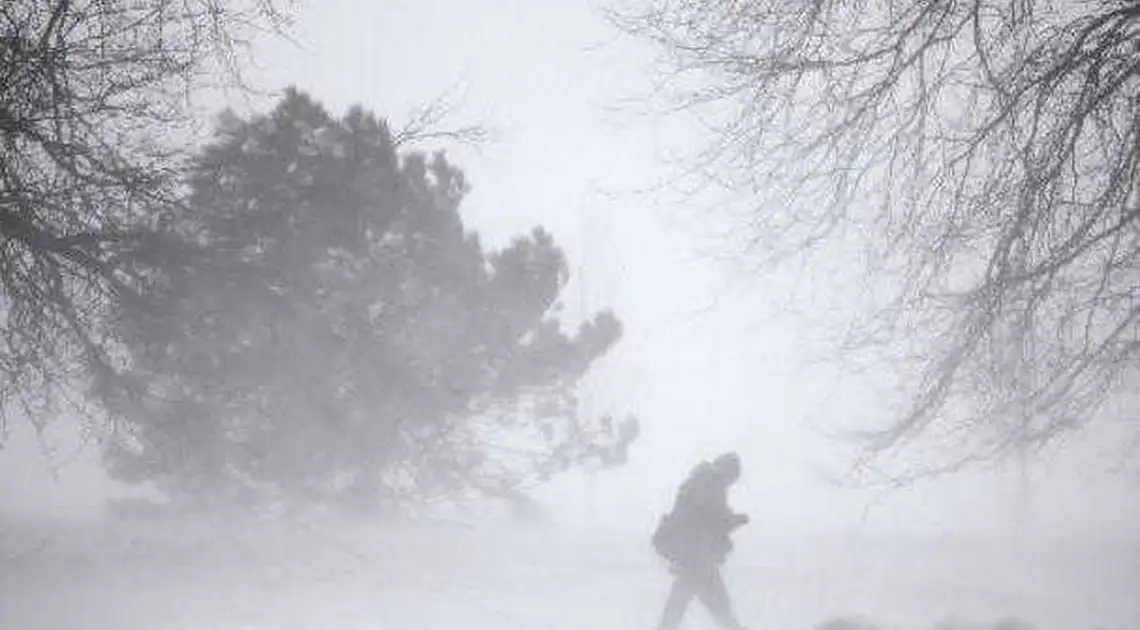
[697,529]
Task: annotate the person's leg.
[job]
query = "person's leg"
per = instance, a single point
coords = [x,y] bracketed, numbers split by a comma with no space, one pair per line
[680,594]
[714,596]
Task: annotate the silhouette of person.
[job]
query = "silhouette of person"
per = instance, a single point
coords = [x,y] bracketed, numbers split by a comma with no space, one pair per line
[694,538]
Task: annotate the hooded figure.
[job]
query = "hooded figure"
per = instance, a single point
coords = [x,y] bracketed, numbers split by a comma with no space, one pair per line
[694,538]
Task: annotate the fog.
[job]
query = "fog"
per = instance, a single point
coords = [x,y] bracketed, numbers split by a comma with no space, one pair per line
[712,359]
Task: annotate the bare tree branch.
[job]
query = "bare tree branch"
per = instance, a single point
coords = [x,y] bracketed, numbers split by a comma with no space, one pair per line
[980,158]
[93,98]
[428,124]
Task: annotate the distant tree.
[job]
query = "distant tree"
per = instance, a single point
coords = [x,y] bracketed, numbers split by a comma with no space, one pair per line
[981,159]
[92,94]
[321,327]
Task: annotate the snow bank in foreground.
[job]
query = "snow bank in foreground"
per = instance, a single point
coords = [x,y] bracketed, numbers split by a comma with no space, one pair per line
[849,623]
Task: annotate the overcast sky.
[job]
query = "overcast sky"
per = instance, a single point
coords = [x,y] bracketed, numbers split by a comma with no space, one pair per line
[708,361]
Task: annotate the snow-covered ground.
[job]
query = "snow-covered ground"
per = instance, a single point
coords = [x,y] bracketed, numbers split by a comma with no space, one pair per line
[60,575]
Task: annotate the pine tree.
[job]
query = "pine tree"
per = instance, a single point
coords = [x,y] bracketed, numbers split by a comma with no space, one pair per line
[327,329]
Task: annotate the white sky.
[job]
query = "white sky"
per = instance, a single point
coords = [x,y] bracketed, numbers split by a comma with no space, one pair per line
[708,363]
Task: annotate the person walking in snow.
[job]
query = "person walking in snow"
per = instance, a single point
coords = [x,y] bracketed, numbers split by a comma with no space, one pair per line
[694,538]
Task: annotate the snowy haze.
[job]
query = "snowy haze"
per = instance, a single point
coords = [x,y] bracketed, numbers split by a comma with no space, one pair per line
[316,574]
[709,362]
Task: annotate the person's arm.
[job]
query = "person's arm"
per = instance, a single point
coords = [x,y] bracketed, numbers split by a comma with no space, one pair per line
[723,515]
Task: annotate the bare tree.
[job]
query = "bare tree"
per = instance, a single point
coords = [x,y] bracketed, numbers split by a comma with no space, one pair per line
[93,94]
[982,155]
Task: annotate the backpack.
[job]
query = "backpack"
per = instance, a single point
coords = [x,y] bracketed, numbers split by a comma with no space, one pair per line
[666,539]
